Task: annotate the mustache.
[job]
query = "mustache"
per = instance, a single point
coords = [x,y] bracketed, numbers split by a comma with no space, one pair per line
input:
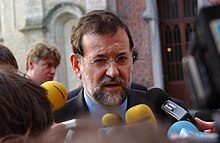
[110,79]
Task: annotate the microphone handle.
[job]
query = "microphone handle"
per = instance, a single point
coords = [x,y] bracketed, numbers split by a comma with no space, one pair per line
[70,124]
[179,113]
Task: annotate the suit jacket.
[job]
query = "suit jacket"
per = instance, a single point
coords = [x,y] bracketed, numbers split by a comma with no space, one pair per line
[76,107]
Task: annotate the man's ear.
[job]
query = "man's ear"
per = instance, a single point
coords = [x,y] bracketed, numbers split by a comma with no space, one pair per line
[75,65]
[30,64]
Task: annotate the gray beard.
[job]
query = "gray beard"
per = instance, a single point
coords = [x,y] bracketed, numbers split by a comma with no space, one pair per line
[110,98]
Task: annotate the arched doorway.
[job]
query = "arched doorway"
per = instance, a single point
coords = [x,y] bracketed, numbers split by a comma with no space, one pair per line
[59,23]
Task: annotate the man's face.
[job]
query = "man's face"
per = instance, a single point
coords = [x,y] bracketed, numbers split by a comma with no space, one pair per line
[105,81]
[43,71]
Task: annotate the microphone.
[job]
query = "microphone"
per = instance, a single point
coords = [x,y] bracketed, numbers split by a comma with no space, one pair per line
[185,129]
[135,117]
[71,124]
[205,115]
[164,104]
[176,128]
[74,124]
[56,93]
[140,113]
[112,123]
[111,119]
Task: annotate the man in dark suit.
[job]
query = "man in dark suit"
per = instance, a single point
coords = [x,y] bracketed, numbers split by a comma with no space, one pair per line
[103,57]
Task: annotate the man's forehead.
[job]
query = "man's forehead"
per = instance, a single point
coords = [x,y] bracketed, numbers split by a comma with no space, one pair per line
[105,43]
[48,60]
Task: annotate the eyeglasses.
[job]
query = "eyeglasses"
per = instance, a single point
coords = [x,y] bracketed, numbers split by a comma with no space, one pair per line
[121,60]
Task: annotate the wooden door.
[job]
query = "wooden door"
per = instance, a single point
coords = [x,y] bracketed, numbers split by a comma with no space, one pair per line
[177,18]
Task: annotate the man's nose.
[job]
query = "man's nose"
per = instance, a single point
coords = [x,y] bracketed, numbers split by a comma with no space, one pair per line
[53,70]
[112,69]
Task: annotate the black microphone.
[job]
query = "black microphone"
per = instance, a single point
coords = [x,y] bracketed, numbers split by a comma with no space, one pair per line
[205,115]
[162,103]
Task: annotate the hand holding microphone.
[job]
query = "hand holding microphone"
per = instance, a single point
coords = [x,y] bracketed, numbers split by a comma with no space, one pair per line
[57,93]
[209,127]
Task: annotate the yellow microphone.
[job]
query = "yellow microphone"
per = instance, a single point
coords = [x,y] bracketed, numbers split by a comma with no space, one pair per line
[140,113]
[56,92]
[111,119]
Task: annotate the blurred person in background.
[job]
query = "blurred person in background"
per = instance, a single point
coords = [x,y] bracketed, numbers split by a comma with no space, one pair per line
[41,62]
[7,57]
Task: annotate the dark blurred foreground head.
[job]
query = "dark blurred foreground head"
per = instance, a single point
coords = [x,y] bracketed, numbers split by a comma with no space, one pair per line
[24,107]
